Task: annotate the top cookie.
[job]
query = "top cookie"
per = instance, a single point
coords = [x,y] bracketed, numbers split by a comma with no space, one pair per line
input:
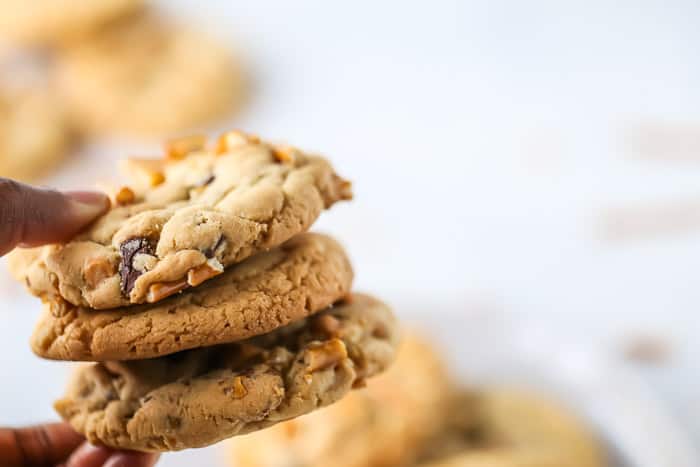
[49,21]
[187,218]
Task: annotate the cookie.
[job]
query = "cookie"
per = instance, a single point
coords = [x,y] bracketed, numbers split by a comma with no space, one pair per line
[385,424]
[518,429]
[191,215]
[144,75]
[34,134]
[198,397]
[49,22]
[269,290]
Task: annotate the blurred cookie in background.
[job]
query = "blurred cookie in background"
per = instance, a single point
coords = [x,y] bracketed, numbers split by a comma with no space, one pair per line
[34,134]
[414,416]
[511,428]
[146,75]
[384,424]
[47,22]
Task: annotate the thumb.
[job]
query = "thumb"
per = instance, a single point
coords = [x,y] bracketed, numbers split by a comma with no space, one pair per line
[32,216]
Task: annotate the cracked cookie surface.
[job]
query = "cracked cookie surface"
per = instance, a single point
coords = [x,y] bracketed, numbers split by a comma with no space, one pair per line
[272,289]
[186,218]
[146,75]
[198,397]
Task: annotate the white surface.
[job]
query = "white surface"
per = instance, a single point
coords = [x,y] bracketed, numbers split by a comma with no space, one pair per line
[486,139]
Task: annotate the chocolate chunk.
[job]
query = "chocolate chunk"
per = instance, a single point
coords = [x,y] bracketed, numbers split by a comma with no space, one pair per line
[129,249]
[206,181]
[210,252]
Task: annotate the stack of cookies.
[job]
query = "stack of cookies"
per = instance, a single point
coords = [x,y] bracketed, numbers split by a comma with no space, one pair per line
[207,310]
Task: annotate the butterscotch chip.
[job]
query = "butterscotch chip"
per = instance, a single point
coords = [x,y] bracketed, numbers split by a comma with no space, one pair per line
[305,275]
[284,153]
[186,212]
[238,389]
[326,355]
[204,272]
[124,196]
[161,290]
[179,148]
[97,270]
[149,172]
[198,397]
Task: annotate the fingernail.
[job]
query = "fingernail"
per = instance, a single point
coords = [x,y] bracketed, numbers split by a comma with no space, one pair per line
[88,204]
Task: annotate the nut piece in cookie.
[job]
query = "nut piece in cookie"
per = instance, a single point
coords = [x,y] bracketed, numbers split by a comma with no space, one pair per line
[198,397]
[385,424]
[187,216]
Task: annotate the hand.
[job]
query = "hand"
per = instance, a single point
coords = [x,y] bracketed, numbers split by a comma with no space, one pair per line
[30,217]
[57,444]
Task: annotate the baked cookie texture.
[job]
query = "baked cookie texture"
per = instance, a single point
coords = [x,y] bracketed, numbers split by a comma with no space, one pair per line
[145,75]
[414,416]
[198,397]
[184,220]
[516,428]
[34,134]
[269,290]
[383,424]
[50,22]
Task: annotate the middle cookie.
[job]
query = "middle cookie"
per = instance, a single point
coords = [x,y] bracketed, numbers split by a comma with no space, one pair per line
[269,290]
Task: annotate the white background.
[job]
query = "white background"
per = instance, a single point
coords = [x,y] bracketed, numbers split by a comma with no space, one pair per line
[490,144]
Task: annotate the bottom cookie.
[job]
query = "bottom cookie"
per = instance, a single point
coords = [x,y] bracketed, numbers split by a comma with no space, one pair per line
[384,424]
[198,397]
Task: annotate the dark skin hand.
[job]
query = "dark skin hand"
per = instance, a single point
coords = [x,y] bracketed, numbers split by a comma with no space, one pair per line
[29,217]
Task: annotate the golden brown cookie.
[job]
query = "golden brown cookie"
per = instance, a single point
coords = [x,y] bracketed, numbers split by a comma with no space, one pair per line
[516,429]
[186,219]
[47,22]
[34,134]
[383,425]
[199,397]
[269,290]
[146,75]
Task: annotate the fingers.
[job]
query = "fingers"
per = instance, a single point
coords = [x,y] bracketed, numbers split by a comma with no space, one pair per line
[31,216]
[132,459]
[37,446]
[88,455]
[99,456]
